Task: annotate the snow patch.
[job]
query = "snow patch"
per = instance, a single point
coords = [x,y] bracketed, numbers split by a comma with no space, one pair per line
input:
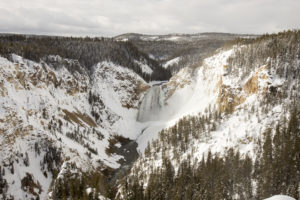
[144,67]
[171,62]
[280,197]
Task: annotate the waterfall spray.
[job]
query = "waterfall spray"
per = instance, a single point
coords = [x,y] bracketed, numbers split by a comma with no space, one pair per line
[151,105]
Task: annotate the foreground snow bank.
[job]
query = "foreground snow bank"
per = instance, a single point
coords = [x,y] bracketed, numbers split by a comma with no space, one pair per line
[280,197]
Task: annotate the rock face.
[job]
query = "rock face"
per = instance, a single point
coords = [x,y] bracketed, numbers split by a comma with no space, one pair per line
[253,83]
[251,86]
[229,97]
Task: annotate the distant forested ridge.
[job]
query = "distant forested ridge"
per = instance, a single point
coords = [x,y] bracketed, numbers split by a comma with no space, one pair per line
[88,51]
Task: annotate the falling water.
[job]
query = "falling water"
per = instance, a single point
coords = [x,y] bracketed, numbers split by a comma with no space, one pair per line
[151,105]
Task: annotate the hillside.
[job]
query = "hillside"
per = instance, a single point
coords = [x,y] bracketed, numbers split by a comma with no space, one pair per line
[88,52]
[232,125]
[60,117]
[176,51]
[83,118]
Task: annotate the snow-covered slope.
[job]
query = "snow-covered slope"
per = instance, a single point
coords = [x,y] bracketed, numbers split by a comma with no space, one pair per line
[231,98]
[68,111]
[60,123]
[171,62]
[78,113]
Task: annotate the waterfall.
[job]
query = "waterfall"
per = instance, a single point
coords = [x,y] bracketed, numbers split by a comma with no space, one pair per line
[151,105]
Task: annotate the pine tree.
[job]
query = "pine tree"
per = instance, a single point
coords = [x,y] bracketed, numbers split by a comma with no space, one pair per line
[267,172]
[278,160]
[246,178]
[291,153]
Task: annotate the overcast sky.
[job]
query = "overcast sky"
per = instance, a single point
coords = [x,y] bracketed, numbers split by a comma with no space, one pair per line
[114,17]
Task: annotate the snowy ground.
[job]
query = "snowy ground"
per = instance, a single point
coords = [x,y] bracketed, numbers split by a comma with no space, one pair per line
[280,197]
